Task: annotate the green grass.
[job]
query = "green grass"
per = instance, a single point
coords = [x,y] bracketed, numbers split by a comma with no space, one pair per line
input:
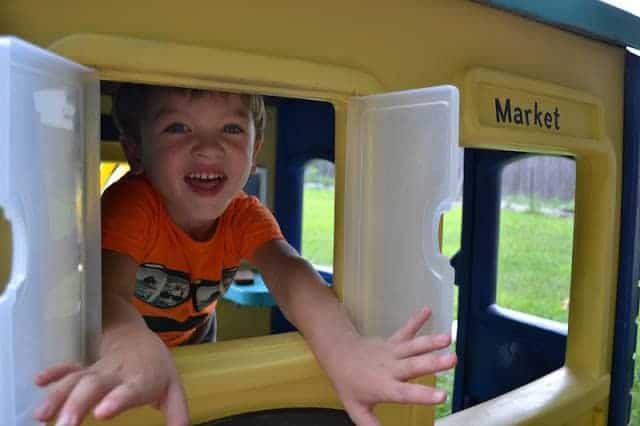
[534,266]
[635,392]
[317,226]
[534,263]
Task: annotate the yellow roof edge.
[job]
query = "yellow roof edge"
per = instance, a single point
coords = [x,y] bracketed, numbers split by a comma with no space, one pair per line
[128,58]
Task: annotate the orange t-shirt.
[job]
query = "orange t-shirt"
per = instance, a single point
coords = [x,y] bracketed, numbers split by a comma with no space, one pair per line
[179,280]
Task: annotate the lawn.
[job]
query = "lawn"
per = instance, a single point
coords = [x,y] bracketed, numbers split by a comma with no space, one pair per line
[317,226]
[534,266]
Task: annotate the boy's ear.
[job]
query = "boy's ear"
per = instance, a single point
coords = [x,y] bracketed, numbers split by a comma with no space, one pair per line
[132,151]
[256,150]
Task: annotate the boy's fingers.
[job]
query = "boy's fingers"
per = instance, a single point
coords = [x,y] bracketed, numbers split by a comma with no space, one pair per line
[422,345]
[126,396]
[175,407]
[119,399]
[410,393]
[362,416]
[418,366]
[90,389]
[55,373]
[55,398]
[411,327]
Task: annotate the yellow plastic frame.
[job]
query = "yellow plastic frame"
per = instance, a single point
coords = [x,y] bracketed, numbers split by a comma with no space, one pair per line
[578,392]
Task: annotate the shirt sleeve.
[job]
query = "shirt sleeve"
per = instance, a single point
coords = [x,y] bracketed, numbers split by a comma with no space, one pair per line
[253,225]
[127,218]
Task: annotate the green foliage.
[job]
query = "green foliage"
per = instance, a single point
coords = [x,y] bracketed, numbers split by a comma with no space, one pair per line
[319,174]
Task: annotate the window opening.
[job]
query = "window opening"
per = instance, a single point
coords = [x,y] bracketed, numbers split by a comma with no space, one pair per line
[536,236]
[246,308]
[318,213]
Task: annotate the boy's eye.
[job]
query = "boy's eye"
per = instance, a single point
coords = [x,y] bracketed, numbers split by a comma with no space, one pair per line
[232,128]
[177,128]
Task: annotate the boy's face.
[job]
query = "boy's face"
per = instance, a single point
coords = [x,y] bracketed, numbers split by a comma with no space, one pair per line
[197,151]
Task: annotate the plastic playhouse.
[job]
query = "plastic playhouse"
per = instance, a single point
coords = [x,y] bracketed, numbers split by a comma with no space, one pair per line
[390,94]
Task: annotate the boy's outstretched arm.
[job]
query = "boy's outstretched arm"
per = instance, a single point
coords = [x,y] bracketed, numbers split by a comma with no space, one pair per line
[364,371]
[134,368]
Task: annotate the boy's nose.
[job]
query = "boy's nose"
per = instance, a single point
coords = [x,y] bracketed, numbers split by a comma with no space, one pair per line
[209,147]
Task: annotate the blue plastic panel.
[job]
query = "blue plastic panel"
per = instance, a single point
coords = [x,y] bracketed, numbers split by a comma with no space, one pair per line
[588,17]
[306,131]
[629,271]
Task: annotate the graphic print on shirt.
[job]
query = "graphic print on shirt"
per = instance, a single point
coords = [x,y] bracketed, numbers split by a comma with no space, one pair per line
[166,288]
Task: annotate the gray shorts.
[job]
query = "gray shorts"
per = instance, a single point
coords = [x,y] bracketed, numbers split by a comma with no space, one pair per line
[207,334]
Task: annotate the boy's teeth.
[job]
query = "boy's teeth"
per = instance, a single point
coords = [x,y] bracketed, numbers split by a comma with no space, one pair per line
[204,176]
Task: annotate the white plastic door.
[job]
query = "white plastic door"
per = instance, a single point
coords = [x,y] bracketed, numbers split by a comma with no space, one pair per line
[49,193]
[403,170]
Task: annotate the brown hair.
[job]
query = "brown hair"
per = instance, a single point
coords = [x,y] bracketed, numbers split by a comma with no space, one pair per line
[130,105]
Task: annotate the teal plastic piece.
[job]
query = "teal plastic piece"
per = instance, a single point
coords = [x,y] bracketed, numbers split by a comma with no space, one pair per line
[592,18]
[255,294]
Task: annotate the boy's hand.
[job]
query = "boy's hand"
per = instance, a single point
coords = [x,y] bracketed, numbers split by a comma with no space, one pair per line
[121,379]
[364,371]
[367,371]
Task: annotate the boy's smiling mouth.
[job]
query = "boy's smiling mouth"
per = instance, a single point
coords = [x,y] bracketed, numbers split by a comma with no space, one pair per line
[204,183]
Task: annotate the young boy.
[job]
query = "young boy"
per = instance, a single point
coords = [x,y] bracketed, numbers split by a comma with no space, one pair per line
[174,231]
